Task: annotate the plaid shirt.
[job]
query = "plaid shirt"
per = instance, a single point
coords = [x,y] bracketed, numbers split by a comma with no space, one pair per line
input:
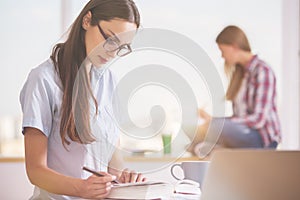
[255,103]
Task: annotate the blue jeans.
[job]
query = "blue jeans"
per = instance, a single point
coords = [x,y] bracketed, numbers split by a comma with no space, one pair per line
[237,135]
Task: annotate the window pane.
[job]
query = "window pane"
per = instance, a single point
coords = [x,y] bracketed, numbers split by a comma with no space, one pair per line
[29,30]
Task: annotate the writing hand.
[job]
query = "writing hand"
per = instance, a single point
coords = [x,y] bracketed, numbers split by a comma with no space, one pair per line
[128,176]
[95,187]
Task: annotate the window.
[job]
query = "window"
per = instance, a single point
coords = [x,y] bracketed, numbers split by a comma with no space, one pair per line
[31,28]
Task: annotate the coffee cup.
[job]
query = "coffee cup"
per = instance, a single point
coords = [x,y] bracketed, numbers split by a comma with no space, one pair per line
[192,170]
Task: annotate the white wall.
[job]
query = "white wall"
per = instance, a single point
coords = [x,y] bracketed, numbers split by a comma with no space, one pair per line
[14,183]
[290,75]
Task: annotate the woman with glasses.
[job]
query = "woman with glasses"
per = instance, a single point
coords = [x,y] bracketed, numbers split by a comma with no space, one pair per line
[67,111]
[252,90]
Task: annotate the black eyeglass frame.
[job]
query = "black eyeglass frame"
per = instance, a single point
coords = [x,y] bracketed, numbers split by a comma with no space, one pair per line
[127,47]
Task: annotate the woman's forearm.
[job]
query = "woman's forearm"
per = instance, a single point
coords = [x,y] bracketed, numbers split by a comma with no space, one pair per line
[54,182]
[38,171]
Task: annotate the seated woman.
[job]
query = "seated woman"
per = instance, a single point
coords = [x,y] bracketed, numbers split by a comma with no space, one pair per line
[252,90]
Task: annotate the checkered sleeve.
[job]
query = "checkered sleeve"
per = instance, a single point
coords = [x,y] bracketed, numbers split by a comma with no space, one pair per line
[264,86]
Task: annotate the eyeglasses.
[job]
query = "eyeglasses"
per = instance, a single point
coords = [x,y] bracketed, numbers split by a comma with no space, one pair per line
[111,45]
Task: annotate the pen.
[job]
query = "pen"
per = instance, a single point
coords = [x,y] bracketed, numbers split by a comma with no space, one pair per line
[97,173]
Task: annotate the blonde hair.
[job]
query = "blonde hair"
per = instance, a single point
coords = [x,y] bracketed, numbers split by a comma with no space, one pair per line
[233,35]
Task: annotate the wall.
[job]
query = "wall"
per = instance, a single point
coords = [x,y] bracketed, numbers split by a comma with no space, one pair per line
[14,183]
[290,74]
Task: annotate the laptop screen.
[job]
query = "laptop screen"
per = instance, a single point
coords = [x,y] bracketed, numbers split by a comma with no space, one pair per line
[253,175]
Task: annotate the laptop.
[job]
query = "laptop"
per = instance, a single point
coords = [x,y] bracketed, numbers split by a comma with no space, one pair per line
[252,175]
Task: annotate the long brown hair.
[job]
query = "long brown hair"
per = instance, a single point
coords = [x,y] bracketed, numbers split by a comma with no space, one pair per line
[69,56]
[233,35]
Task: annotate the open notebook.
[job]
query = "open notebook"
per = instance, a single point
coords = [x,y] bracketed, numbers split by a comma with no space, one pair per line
[154,190]
[142,190]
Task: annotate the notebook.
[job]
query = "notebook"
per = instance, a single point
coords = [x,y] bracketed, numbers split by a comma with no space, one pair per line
[184,189]
[142,190]
[252,174]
